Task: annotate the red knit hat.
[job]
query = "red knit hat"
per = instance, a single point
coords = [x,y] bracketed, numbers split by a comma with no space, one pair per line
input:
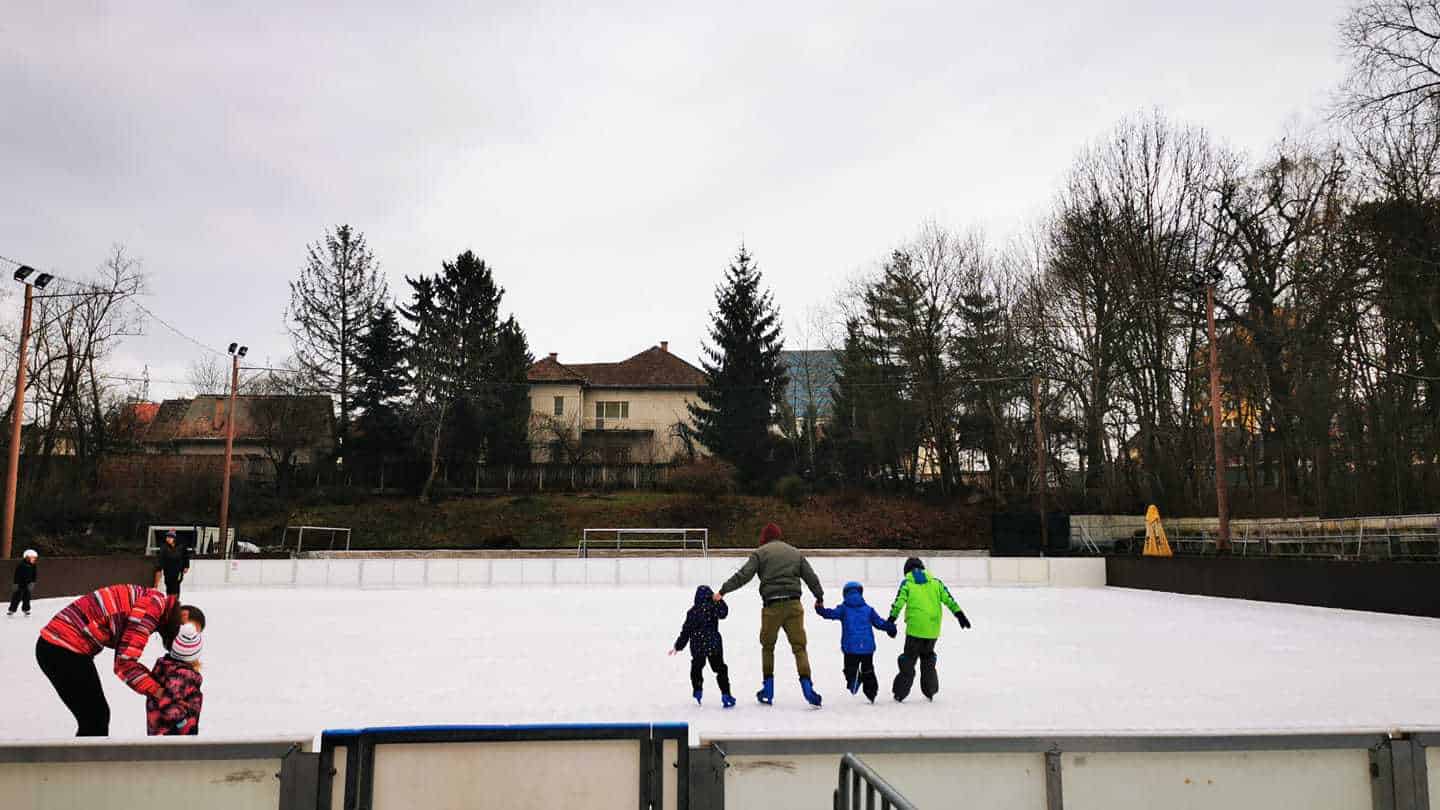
[770,532]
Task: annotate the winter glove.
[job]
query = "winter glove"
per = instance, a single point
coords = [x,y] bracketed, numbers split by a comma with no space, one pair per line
[964,622]
[890,629]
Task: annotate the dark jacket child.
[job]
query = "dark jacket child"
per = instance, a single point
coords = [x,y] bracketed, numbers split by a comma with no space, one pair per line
[858,622]
[176,710]
[921,596]
[24,584]
[702,632]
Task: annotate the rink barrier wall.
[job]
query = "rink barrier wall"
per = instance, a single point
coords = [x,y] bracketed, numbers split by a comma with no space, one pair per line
[1383,771]
[424,572]
[72,576]
[1409,588]
[601,766]
[160,773]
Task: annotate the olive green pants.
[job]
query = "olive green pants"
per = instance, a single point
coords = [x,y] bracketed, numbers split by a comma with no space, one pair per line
[790,617]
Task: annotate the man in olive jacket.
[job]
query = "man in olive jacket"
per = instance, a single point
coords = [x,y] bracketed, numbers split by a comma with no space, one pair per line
[781,568]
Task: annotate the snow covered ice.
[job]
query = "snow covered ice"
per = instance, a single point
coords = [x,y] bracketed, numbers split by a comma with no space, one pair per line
[1052,660]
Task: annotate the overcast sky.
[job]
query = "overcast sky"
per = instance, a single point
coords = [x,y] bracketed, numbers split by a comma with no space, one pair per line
[607,163]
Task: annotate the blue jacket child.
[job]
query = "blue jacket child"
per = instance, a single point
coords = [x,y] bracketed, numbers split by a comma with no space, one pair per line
[858,622]
[702,632]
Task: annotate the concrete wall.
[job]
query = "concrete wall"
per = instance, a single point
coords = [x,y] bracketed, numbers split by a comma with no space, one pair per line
[519,775]
[422,572]
[71,576]
[1098,773]
[157,774]
[1410,588]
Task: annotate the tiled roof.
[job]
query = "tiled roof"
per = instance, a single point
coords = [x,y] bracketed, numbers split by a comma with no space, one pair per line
[655,367]
[203,418]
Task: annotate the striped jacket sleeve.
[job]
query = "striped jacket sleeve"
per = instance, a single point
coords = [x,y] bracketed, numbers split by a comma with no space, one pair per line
[144,617]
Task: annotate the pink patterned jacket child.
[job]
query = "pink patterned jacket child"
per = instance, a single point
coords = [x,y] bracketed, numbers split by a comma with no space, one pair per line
[177,709]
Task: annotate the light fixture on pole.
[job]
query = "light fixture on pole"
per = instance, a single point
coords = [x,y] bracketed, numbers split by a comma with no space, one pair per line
[236,351]
[12,473]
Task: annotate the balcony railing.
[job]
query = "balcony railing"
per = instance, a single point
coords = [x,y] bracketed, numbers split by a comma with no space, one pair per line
[628,425]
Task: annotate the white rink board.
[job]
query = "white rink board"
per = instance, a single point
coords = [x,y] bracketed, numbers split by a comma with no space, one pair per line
[449,572]
[283,661]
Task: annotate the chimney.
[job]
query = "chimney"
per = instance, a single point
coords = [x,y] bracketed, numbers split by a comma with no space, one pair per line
[665,346]
[555,356]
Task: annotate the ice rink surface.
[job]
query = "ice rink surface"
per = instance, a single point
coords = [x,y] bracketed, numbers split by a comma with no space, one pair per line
[1050,660]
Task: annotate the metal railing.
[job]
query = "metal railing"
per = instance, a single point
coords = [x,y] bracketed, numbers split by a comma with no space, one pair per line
[854,774]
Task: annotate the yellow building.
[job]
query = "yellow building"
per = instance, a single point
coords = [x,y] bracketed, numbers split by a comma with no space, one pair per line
[631,412]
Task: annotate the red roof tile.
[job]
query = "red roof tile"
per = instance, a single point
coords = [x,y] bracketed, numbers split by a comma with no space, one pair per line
[653,368]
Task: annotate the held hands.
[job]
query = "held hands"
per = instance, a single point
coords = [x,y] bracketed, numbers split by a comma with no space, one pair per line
[890,629]
[718,597]
[964,622]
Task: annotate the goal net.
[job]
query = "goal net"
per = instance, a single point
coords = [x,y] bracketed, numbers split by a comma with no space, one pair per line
[316,538]
[620,539]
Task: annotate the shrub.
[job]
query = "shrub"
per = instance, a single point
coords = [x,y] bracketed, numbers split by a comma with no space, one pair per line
[705,477]
[792,490]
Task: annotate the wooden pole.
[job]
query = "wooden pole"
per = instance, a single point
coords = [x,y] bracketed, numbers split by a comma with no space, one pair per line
[1222,497]
[1040,461]
[229,451]
[12,473]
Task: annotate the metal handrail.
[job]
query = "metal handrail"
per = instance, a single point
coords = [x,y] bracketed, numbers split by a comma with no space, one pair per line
[853,771]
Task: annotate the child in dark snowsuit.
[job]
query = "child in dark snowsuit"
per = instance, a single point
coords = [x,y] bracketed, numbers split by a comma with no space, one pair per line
[702,632]
[858,622]
[25,576]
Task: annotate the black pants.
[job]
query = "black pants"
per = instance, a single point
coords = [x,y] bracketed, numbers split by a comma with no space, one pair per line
[21,593]
[74,677]
[717,664]
[860,674]
[922,650]
[172,586]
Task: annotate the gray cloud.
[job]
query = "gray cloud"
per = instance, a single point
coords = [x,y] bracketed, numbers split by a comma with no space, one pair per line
[606,161]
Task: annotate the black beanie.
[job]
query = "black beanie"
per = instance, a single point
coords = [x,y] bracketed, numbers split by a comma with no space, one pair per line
[913,563]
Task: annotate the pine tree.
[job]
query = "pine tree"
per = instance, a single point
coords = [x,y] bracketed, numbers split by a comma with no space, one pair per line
[747,377]
[468,367]
[383,382]
[331,304]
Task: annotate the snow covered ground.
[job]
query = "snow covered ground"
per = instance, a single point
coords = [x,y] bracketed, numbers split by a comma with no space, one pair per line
[1038,660]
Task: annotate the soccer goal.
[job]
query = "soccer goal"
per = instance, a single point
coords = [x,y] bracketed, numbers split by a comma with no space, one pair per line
[327,537]
[683,539]
[201,540]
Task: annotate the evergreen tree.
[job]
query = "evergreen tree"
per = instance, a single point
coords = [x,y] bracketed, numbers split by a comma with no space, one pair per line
[468,368]
[747,377]
[380,432]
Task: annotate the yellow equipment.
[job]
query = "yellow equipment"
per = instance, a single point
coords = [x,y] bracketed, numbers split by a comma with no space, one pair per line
[1156,543]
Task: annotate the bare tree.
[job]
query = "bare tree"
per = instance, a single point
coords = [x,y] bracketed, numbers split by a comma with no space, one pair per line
[331,304]
[1394,52]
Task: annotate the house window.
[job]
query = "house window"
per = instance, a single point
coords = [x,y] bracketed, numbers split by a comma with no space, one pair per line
[559,406]
[612,410]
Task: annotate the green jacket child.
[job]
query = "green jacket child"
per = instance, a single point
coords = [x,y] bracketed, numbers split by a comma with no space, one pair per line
[921,597]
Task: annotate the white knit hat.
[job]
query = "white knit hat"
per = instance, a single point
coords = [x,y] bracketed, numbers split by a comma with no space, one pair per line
[30,552]
[188,643]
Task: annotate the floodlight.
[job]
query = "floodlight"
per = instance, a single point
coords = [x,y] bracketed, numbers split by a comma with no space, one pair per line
[42,280]
[23,272]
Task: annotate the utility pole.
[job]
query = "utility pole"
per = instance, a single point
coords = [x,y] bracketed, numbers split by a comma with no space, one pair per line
[1222,497]
[235,355]
[1040,460]
[17,417]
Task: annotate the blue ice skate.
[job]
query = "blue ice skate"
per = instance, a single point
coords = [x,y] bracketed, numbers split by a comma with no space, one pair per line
[811,696]
[699,693]
[727,701]
[766,694]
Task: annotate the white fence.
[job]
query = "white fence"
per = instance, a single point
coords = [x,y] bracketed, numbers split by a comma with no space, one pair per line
[465,572]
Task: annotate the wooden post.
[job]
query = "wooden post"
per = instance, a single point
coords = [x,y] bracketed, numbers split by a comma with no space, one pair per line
[1222,496]
[1040,461]
[229,451]
[12,473]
